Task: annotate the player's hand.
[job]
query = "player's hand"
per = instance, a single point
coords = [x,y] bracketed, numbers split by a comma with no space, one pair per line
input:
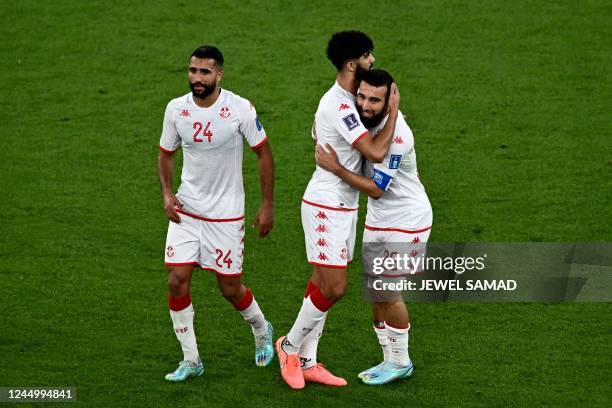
[171,204]
[394,98]
[264,219]
[327,158]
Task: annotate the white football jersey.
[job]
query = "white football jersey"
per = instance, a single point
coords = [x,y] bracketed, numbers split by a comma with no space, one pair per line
[404,205]
[337,123]
[211,138]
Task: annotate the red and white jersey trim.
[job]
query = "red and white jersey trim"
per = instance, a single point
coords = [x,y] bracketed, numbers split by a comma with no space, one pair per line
[209,219]
[328,266]
[398,229]
[260,144]
[201,267]
[329,208]
[359,138]
[168,151]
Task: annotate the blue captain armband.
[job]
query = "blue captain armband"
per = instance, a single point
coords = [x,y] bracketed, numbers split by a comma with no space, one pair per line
[381,179]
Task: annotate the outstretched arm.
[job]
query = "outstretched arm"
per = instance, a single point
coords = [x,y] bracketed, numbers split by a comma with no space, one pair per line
[328,160]
[265,215]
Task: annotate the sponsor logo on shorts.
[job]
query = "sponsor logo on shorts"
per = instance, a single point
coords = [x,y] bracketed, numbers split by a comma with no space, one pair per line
[321,215]
[416,240]
[170,251]
[322,256]
[350,121]
[321,228]
[343,253]
[321,242]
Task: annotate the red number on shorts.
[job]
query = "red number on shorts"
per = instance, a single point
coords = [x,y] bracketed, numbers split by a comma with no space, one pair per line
[226,260]
[207,132]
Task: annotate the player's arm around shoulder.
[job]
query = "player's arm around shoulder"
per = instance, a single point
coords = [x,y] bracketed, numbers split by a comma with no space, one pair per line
[375,149]
[327,159]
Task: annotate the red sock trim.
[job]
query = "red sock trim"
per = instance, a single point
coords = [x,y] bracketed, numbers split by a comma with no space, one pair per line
[179,303]
[320,301]
[310,288]
[246,300]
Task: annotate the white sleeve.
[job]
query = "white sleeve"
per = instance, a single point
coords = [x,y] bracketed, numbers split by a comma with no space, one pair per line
[383,173]
[170,140]
[346,121]
[250,126]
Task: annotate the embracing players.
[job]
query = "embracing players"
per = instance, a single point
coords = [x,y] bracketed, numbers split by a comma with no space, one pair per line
[329,206]
[206,228]
[399,216]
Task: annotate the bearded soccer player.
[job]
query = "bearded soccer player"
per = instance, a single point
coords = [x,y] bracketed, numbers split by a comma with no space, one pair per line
[399,214]
[206,228]
[329,207]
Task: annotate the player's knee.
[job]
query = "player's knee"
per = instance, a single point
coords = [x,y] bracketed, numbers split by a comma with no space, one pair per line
[230,292]
[336,291]
[177,284]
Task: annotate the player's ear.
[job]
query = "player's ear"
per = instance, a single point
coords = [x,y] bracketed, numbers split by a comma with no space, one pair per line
[220,75]
[351,65]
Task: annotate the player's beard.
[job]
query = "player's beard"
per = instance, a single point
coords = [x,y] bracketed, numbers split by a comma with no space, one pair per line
[208,89]
[359,72]
[373,121]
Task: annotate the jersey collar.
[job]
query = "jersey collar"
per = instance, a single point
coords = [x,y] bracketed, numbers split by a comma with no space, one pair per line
[343,91]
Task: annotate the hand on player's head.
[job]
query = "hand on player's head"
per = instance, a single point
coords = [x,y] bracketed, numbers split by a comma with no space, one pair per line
[394,98]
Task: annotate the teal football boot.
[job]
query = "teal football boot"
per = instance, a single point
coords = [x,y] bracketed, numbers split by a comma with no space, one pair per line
[264,349]
[370,370]
[388,372]
[185,370]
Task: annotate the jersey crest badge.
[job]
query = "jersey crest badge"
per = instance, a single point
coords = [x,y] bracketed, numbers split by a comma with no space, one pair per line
[394,161]
[350,121]
[224,112]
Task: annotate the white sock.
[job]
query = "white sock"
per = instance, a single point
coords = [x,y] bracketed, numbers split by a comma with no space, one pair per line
[254,316]
[182,321]
[308,350]
[383,340]
[308,317]
[398,339]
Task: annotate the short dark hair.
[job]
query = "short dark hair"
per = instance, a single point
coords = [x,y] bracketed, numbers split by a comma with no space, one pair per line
[346,45]
[378,77]
[208,51]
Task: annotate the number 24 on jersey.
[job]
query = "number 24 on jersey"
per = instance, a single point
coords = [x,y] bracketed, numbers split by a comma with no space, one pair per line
[198,131]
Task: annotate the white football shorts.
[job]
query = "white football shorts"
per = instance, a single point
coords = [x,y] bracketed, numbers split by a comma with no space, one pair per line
[329,234]
[213,245]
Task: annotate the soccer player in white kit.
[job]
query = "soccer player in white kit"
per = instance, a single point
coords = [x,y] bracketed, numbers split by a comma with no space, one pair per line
[329,207]
[206,228]
[399,212]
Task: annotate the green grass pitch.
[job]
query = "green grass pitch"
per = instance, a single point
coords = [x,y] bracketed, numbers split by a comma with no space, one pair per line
[510,106]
